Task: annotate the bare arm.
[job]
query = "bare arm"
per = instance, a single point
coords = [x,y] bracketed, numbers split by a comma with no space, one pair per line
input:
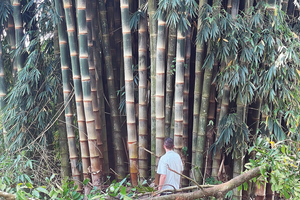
[162,181]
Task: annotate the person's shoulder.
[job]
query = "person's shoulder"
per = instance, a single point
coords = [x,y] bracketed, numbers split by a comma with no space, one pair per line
[177,155]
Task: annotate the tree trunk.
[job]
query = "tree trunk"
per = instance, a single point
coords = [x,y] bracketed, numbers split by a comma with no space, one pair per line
[152,6]
[129,89]
[72,37]
[119,152]
[96,32]
[200,56]
[160,89]
[87,94]
[143,98]
[186,90]
[170,79]
[65,70]
[98,125]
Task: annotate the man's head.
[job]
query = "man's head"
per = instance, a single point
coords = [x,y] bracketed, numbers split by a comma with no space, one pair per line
[169,143]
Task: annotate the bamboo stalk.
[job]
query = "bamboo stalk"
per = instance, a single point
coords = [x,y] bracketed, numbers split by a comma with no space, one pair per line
[96,111]
[99,85]
[179,87]
[210,128]
[143,97]
[172,120]
[223,112]
[110,21]
[152,6]
[160,89]
[170,79]
[200,55]
[186,90]
[290,8]
[12,42]
[284,5]
[239,158]
[18,22]
[199,157]
[119,151]
[2,93]
[65,70]
[73,46]
[87,94]
[129,88]
[118,40]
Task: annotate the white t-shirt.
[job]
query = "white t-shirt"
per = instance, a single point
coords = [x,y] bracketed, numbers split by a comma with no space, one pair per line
[172,159]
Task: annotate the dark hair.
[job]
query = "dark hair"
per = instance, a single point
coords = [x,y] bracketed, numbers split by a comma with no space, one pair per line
[169,143]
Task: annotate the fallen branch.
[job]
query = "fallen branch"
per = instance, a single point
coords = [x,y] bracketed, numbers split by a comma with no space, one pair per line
[217,191]
[174,191]
[7,196]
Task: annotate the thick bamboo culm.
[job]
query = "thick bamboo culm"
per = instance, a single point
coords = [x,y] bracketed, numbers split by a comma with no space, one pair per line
[18,24]
[67,89]
[170,79]
[129,95]
[200,55]
[92,71]
[210,129]
[202,125]
[12,41]
[179,86]
[186,90]
[118,40]
[99,85]
[111,26]
[160,89]
[223,112]
[87,94]
[119,152]
[152,6]
[73,46]
[143,98]
[2,91]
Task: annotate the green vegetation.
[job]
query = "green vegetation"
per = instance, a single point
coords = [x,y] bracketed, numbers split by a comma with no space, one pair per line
[84,111]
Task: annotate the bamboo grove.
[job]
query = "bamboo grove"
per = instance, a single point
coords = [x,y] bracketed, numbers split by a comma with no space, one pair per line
[108,81]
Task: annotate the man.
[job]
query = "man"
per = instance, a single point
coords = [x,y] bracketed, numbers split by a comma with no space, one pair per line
[170,160]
